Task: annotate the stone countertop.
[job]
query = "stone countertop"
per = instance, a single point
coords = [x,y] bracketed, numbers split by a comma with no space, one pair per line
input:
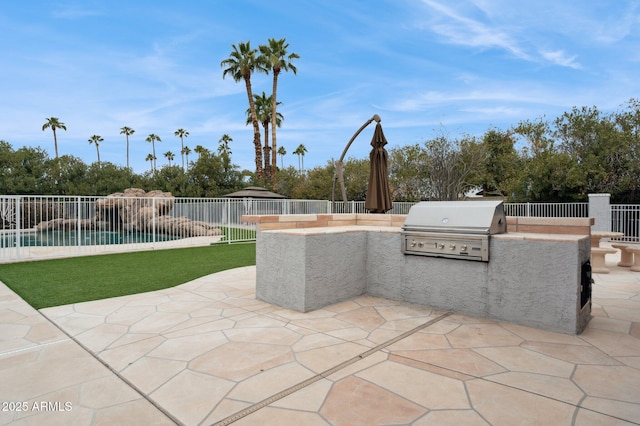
[563,238]
[520,236]
[335,230]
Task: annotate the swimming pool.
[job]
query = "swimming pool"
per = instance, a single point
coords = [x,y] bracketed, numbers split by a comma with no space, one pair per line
[82,238]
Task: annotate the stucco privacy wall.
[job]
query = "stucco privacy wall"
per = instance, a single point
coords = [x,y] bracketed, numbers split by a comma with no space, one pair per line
[532,279]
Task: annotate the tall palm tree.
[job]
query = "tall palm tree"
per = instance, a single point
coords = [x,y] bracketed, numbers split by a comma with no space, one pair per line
[151,158]
[186,151]
[200,150]
[181,133]
[263,111]
[127,131]
[224,151]
[96,139]
[282,152]
[277,59]
[300,151]
[241,63]
[54,123]
[152,138]
[223,147]
[169,156]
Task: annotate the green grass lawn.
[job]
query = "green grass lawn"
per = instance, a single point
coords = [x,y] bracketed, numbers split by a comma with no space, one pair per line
[62,281]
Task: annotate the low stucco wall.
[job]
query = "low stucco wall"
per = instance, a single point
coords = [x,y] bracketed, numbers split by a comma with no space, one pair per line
[531,279]
[306,271]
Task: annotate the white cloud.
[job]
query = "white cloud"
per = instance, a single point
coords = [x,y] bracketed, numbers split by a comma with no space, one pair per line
[559,57]
[462,30]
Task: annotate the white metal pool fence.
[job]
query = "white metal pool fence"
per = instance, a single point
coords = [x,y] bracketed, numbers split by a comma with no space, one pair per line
[34,227]
[625,218]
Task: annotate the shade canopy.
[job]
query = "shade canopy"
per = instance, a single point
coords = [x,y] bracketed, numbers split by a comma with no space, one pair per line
[378,193]
[254,192]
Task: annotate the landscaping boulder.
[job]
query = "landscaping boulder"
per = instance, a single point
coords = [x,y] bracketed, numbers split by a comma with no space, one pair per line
[135,210]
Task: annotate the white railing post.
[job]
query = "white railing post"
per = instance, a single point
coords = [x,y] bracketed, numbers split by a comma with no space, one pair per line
[18,225]
[153,220]
[228,233]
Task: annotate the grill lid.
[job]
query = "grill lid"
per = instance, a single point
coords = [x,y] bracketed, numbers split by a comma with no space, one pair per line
[471,217]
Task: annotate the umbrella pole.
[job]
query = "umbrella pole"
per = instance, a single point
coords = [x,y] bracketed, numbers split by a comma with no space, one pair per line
[338,174]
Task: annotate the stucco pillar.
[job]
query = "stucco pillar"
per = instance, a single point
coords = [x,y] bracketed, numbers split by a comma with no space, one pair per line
[600,210]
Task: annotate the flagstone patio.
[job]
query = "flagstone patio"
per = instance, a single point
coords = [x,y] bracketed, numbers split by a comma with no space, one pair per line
[207,352]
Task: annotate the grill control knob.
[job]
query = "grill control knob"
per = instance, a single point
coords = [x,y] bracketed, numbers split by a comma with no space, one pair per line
[420,244]
[452,246]
[463,247]
[413,243]
[440,246]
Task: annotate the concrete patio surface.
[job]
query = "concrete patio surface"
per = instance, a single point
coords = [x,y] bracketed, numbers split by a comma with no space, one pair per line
[207,352]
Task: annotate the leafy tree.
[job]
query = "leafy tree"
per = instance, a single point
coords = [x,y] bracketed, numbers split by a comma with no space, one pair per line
[32,172]
[288,180]
[449,165]
[408,178]
[210,175]
[275,55]
[127,131]
[71,179]
[548,174]
[54,123]
[628,174]
[172,179]
[580,133]
[152,138]
[356,178]
[501,163]
[110,178]
[181,133]
[241,64]
[96,139]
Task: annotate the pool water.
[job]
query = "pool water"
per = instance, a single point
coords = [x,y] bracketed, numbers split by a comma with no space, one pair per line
[85,238]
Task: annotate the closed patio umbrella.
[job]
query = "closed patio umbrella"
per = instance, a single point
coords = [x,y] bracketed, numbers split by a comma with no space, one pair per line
[378,193]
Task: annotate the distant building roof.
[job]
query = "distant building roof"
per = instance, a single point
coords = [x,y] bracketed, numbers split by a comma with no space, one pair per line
[254,192]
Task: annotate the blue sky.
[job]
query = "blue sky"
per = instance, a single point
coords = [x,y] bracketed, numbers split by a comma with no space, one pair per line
[427,67]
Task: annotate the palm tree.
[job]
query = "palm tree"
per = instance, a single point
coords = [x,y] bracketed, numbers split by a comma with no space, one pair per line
[224,151]
[282,152]
[181,133]
[54,123]
[186,151]
[276,57]
[300,151]
[127,131]
[151,139]
[169,156]
[200,150]
[263,111]
[223,147]
[96,139]
[151,158]
[241,63]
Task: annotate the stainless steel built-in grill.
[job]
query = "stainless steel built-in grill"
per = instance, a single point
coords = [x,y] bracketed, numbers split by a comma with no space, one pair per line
[453,229]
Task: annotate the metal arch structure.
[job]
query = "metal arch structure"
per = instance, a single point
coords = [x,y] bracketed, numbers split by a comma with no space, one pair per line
[338,175]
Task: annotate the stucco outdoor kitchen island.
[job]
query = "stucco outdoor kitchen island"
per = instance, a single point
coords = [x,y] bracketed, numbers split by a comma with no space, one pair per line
[537,280]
